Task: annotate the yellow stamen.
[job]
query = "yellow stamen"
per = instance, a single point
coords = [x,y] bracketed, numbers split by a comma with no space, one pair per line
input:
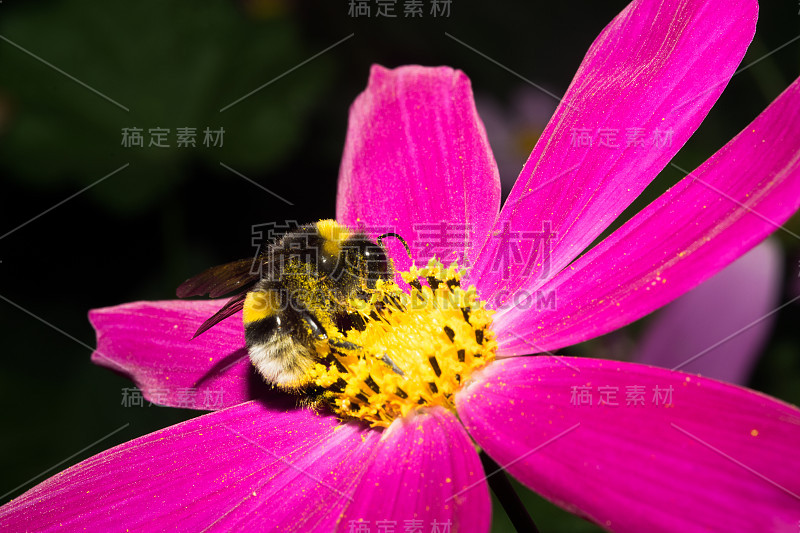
[416,349]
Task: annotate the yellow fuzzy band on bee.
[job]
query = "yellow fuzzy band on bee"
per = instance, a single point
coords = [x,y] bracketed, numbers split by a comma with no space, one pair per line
[334,234]
[415,350]
[259,305]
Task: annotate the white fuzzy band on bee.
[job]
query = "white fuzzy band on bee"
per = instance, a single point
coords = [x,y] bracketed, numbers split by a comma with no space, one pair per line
[282,361]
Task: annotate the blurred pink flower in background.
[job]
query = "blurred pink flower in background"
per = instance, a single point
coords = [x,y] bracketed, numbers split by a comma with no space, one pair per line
[514,129]
[628,446]
[719,329]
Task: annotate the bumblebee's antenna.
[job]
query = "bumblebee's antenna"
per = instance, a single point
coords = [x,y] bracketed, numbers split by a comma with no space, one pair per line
[399,238]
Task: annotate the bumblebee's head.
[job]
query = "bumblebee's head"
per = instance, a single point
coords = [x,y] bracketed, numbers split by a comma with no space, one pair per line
[351,257]
[367,260]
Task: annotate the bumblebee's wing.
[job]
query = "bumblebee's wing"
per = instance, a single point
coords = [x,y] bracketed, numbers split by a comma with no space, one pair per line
[233,306]
[220,280]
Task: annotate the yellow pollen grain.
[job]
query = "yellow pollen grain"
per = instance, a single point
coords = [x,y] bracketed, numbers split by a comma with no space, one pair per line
[754,433]
[415,350]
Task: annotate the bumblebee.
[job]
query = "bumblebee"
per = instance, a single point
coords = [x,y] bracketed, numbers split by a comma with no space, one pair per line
[293,293]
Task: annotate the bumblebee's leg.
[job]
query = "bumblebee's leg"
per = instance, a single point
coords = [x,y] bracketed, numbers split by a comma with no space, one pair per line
[394,367]
[345,345]
[317,330]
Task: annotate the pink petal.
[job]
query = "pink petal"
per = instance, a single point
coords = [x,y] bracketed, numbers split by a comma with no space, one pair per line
[711,217]
[247,468]
[425,469]
[735,304]
[655,70]
[417,162]
[713,457]
[152,343]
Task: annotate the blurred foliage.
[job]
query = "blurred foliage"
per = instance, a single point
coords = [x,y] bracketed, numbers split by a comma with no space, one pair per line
[173,65]
[175,211]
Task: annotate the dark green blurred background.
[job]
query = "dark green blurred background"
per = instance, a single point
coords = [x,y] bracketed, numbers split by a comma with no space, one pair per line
[174,211]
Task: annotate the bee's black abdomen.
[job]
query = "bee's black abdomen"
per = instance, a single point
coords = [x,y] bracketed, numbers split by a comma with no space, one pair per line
[263,331]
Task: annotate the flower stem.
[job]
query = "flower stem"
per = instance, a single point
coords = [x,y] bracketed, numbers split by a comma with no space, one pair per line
[507,496]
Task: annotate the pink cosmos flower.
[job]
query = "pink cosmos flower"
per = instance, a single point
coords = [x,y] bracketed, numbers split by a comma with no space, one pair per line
[656,450]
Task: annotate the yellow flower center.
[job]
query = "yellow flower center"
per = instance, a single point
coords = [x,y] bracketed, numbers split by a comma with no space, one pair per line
[412,350]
